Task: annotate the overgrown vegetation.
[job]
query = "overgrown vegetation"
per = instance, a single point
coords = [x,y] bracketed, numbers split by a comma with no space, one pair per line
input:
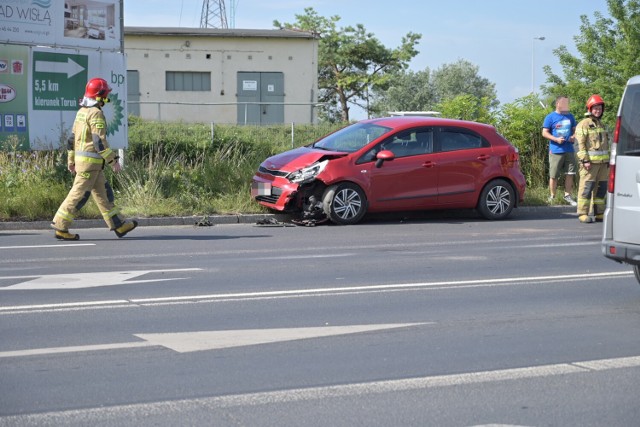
[171,169]
[178,169]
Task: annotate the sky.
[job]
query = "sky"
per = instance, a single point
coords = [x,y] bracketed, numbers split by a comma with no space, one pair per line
[497,36]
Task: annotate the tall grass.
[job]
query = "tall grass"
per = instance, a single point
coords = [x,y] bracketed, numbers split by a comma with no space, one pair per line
[170,169]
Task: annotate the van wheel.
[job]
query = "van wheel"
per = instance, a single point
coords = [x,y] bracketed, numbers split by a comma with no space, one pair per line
[636,271]
[497,200]
[344,203]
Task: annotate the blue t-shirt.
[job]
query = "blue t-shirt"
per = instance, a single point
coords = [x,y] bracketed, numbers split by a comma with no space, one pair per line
[560,125]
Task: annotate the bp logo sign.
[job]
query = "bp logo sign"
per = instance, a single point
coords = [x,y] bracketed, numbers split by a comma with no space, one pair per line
[114,113]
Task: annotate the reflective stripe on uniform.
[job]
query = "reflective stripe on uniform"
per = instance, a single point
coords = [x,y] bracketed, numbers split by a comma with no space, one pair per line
[110,214]
[106,153]
[598,156]
[98,123]
[65,215]
[89,159]
[88,154]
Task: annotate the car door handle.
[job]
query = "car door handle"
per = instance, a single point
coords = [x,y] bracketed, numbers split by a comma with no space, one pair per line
[484,157]
[428,164]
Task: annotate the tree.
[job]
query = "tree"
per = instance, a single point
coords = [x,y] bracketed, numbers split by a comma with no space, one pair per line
[462,78]
[407,91]
[609,54]
[467,107]
[351,61]
[426,90]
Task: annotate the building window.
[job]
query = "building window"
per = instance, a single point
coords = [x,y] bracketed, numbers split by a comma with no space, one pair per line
[188,81]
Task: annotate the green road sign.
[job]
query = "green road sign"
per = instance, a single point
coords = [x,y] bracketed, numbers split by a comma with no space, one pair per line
[58,80]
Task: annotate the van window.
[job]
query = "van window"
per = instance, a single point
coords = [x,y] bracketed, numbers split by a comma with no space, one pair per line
[629,137]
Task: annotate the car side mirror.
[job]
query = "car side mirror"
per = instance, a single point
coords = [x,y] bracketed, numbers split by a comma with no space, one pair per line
[384,155]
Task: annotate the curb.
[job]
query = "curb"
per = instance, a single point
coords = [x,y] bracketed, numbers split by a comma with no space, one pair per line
[230,219]
[159,221]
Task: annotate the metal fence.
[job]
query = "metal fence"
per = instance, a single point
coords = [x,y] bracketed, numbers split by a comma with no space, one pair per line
[282,134]
[233,112]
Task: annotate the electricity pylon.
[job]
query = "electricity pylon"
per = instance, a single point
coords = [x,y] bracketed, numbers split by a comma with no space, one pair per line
[214,14]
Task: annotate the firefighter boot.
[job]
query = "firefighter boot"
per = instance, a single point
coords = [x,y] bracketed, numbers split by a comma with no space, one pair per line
[585,219]
[65,235]
[125,228]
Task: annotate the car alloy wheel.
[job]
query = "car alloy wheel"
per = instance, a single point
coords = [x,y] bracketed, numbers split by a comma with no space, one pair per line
[344,203]
[496,200]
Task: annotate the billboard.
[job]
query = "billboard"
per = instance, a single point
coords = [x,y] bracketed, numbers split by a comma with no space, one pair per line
[54,47]
[65,23]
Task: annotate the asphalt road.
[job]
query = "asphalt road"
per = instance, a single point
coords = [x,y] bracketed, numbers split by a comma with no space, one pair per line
[439,320]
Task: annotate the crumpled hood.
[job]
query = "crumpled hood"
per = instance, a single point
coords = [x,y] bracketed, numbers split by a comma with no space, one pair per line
[298,158]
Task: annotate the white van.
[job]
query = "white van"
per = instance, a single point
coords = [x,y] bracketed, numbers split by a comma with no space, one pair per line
[621,238]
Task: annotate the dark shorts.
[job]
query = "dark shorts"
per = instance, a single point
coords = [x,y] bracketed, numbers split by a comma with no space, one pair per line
[562,163]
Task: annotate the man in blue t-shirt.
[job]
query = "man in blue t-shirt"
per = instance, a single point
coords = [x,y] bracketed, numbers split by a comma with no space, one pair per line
[558,129]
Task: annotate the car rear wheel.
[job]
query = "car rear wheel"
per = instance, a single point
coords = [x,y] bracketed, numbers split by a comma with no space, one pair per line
[636,271]
[497,200]
[344,203]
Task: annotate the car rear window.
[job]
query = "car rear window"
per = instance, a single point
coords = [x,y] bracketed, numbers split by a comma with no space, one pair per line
[629,137]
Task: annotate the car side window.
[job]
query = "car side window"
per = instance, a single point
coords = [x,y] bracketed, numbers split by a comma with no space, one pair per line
[404,144]
[454,140]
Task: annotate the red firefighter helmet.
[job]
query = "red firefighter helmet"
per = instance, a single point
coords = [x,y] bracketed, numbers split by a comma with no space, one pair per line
[594,100]
[97,88]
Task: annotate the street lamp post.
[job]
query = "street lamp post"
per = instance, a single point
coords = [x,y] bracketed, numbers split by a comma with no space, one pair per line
[533,61]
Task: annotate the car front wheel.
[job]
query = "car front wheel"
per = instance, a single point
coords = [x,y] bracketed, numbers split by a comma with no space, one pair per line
[497,200]
[344,203]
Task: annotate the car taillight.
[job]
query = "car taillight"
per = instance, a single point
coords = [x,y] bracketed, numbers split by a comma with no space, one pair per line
[616,133]
[511,158]
[612,177]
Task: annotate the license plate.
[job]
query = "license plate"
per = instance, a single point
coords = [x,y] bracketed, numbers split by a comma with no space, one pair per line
[260,189]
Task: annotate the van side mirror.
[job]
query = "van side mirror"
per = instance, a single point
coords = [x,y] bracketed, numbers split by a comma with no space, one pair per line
[384,155]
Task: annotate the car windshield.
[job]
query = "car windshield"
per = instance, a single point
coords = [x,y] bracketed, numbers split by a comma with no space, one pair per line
[351,138]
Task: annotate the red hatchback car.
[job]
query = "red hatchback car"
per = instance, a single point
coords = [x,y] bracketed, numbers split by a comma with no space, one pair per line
[394,164]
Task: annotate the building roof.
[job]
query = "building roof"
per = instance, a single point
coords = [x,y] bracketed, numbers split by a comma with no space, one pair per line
[216,32]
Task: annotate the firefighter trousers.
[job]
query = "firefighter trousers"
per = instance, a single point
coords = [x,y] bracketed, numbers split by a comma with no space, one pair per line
[592,190]
[86,184]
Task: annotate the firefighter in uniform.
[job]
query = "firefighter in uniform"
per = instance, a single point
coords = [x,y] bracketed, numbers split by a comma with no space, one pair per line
[88,152]
[593,157]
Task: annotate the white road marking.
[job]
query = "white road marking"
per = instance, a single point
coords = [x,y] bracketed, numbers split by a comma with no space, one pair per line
[95,415]
[73,349]
[61,245]
[288,257]
[86,280]
[186,342]
[422,247]
[136,302]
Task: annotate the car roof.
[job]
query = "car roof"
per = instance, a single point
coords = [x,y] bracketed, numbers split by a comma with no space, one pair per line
[410,121]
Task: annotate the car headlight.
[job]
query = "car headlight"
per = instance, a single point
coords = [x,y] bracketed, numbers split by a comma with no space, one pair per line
[307,174]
